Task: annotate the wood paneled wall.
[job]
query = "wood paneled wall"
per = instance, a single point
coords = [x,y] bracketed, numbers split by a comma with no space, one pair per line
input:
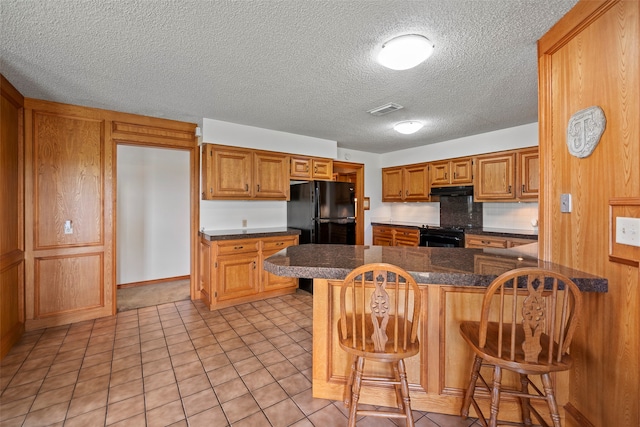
[12,315]
[591,57]
[70,175]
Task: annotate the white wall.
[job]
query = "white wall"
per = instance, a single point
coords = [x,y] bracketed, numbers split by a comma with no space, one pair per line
[228,214]
[152,214]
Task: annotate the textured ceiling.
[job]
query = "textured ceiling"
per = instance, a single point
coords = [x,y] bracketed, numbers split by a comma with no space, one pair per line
[299,66]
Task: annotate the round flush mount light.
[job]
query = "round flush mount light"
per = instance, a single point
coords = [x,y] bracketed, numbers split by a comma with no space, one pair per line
[408,127]
[404,52]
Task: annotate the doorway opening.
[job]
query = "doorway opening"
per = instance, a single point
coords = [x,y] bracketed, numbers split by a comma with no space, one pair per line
[153,250]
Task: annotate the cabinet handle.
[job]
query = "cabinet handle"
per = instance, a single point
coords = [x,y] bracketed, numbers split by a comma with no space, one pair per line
[258,188]
[486,242]
[455,175]
[279,243]
[315,169]
[509,191]
[238,247]
[523,188]
[400,193]
[407,192]
[445,175]
[254,265]
[307,170]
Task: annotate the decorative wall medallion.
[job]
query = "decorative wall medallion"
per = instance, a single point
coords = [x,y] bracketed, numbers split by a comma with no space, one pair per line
[584,131]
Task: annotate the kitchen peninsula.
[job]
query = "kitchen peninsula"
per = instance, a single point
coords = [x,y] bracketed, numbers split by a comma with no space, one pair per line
[452,281]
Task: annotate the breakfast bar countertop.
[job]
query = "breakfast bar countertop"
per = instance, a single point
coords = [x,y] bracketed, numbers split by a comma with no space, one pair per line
[437,266]
[248,233]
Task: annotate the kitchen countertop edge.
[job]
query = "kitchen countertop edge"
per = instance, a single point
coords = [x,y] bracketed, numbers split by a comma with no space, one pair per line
[485,231]
[248,233]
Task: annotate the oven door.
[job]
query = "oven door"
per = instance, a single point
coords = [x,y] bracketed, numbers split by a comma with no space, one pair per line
[441,241]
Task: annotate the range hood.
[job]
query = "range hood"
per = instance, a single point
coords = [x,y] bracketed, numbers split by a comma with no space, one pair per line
[452,191]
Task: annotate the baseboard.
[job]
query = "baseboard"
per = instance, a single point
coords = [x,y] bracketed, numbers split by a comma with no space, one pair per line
[577,416]
[152,282]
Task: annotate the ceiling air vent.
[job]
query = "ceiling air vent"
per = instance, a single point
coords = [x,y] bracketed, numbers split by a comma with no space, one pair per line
[385,109]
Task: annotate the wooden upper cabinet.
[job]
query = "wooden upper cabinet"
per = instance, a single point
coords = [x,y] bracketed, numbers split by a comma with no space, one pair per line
[416,183]
[495,177]
[405,183]
[452,172]
[271,177]
[392,184]
[241,173]
[528,167]
[311,168]
[508,176]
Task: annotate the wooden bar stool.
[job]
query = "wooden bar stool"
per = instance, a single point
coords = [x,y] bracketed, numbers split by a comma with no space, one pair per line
[526,329]
[379,315]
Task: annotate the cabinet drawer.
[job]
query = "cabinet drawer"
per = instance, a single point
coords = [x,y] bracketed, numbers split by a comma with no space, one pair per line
[238,246]
[277,244]
[472,241]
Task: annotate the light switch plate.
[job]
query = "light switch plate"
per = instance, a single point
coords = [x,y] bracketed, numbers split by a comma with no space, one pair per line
[565,202]
[628,231]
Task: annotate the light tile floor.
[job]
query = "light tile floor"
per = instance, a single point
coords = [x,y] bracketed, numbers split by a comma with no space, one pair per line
[177,364]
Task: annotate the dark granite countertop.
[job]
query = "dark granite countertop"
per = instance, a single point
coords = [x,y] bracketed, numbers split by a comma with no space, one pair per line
[484,231]
[504,232]
[246,233]
[438,266]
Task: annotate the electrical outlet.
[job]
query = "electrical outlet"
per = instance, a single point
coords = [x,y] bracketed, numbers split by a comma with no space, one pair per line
[68,229]
[565,202]
[244,223]
[628,231]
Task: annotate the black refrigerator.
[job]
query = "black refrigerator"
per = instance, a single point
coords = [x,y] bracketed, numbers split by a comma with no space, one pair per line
[323,211]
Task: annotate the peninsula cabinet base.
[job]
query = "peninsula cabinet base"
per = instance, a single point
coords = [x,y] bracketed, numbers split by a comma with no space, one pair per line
[438,375]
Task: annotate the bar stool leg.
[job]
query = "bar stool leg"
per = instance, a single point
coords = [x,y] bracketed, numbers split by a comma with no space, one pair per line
[355,395]
[475,371]
[495,396]
[551,399]
[524,402]
[405,393]
[347,389]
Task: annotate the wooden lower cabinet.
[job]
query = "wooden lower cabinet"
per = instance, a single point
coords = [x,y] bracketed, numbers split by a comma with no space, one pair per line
[395,236]
[231,271]
[438,375]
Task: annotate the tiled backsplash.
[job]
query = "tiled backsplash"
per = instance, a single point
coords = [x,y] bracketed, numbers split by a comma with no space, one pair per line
[516,216]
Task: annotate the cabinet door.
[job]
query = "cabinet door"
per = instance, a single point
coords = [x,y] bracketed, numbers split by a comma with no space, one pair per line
[271,176]
[204,280]
[322,169]
[461,172]
[495,178]
[231,173]
[404,237]
[300,168]
[440,173]
[392,184]
[269,247]
[382,236]
[528,174]
[237,275]
[416,183]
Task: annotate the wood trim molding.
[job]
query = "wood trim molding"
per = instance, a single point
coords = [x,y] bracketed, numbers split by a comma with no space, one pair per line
[577,416]
[152,282]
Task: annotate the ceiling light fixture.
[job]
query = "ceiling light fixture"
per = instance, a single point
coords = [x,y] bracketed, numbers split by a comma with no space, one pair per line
[408,127]
[404,52]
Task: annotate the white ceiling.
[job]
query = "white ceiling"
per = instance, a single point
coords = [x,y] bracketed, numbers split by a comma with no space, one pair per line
[299,66]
